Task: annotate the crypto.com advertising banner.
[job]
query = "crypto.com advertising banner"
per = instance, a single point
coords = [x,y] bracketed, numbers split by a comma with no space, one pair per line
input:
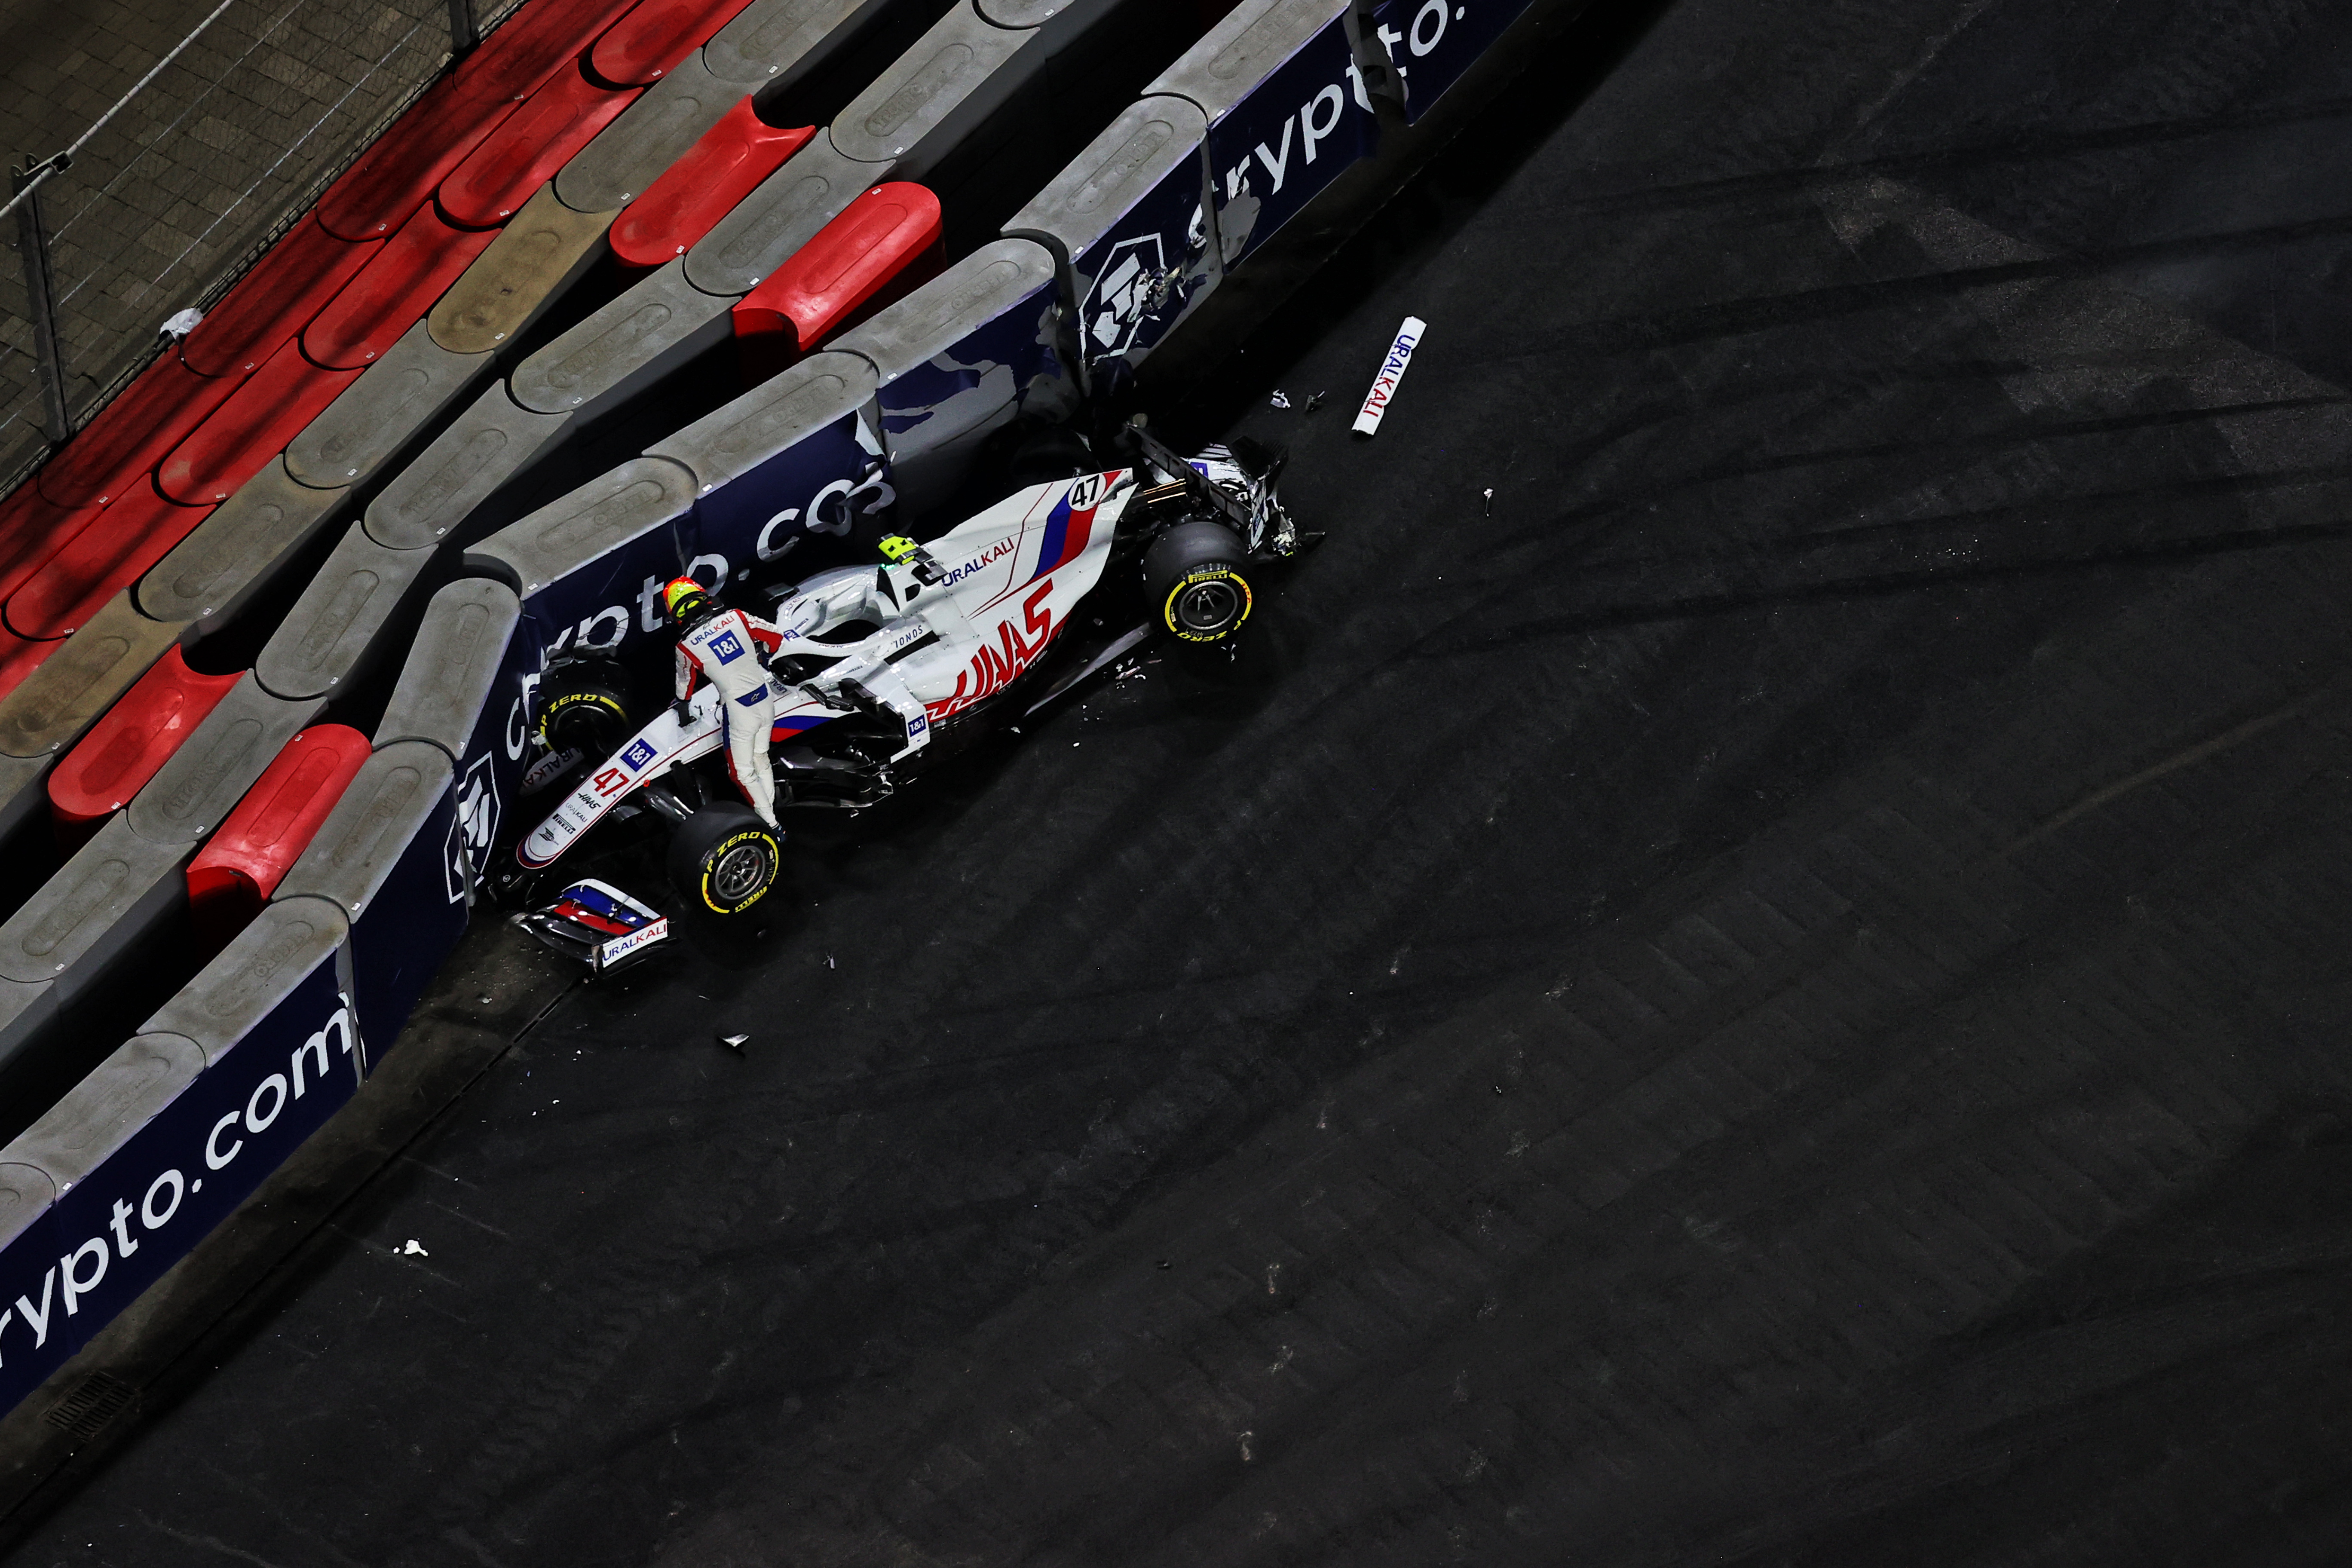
[1432,42]
[170,1182]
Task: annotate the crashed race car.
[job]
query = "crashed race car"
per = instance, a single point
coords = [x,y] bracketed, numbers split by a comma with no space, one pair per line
[961,632]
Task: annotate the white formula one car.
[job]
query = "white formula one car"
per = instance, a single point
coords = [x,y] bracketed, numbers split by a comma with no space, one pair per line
[962,621]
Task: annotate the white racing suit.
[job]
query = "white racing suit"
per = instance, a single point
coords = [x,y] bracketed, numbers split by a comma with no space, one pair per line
[729,650]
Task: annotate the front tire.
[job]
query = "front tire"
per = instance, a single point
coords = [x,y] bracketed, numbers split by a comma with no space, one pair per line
[725,857]
[584,704]
[1196,578]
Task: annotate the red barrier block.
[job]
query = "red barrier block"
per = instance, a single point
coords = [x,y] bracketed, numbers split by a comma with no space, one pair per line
[646,45]
[33,529]
[100,561]
[394,291]
[250,429]
[397,173]
[531,46]
[235,873]
[854,267]
[137,736]
[520,155]
[272,303]
[129,437]
[705,185]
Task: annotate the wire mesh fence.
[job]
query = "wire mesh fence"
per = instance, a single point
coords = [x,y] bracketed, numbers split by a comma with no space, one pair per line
[199,170]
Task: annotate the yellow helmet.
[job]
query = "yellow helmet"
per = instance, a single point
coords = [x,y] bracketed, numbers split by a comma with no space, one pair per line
[683,600]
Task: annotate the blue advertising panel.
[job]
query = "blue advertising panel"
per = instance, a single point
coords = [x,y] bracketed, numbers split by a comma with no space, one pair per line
[167,1184]
[789,516]
[410,926]
[490,769]
[30,1252]
[1432,42]
[1135,281]
[985,378]
[792,515]
[1276,151]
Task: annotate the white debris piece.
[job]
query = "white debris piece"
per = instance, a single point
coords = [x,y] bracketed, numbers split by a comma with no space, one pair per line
[415,1248]
[181,325]
[1280,399]
[1384,385]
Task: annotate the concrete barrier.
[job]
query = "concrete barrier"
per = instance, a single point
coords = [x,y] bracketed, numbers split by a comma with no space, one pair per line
[134,1165]
[336,627]
[380,414]
[392,858]
[492,443]
[960,358]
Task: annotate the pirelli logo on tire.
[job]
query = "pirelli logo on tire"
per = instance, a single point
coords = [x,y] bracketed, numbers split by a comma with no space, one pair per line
[1207,604]
[565,702]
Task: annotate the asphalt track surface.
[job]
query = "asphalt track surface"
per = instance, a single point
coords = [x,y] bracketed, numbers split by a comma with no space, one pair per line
[1780,999]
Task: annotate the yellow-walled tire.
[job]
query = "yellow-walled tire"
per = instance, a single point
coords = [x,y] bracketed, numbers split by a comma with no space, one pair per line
[1198,584]
[725,858]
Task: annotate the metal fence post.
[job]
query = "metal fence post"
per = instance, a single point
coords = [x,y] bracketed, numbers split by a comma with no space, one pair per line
[463,32]
[41,295]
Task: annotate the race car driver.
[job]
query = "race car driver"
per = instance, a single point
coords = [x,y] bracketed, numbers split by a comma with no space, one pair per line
[730,650]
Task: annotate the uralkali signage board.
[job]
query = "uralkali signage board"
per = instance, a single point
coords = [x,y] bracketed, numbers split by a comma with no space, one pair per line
[168,1183]
[1432,42]
[1279,147]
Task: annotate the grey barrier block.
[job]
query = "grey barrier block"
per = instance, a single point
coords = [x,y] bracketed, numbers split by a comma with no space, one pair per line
[27,1012]
[26,1192]
[362,839]
[332,627]
[378,413]
[207,576]
[657,326]
[115,1099]
[729,443]
[1084,202]
[967,295]
[73,686]
[937,441]
[1243,50]
[1022,13]
[575,530]
[490,443]
[649,136]
[970,295]
[934,95]
[773,41]
[452,666]
[539,253]
[775,220]
[114,888]
[202,781]
[279,949]
[22,781]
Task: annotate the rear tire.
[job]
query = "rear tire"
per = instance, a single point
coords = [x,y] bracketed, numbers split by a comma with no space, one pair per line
[1196,577]
[725,857]
[583,705]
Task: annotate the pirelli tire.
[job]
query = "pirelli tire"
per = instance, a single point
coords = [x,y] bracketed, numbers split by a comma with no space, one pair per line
[583,705]
[725,858]
[1196,578]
